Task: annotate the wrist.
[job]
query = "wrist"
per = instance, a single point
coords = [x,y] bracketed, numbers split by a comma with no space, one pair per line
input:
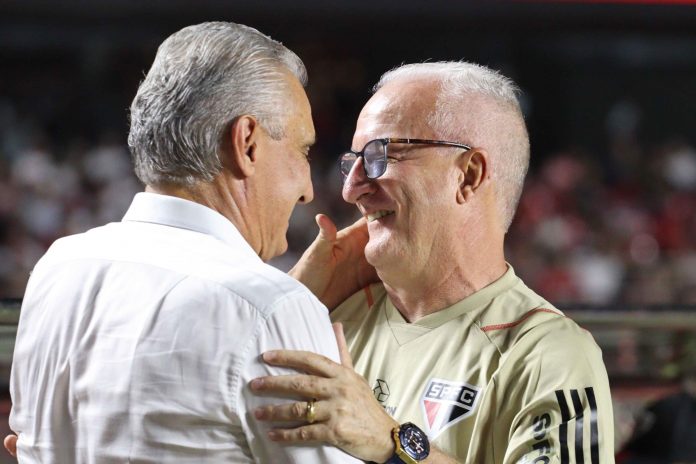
[386,444]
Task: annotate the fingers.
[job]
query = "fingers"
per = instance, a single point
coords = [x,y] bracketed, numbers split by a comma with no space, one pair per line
[304,386]
[10,443]
[356,229]
[314,433]
[291,412]
[346,360]
[360,224]
[305,361]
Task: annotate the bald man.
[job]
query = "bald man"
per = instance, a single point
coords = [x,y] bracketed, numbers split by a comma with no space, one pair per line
[456,359]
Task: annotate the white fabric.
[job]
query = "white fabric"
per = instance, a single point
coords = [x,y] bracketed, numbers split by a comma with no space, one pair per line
[137,341]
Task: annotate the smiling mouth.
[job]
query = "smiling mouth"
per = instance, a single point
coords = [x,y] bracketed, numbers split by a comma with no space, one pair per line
[378,214]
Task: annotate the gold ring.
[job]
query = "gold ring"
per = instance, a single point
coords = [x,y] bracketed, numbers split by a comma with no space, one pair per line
[311,413]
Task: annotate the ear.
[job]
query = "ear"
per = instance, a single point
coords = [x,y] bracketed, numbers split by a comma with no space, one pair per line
[243,135]
[473,172]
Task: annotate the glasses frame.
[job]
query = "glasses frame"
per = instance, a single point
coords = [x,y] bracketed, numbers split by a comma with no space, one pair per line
[385,143]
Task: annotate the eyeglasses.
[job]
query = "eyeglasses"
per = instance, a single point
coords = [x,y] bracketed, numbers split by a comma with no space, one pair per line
[375,153]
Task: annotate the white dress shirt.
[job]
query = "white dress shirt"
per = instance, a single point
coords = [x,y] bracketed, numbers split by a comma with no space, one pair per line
[137,341]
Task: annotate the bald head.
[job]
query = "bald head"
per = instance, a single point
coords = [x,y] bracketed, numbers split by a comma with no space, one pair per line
[407,105]
[475,105]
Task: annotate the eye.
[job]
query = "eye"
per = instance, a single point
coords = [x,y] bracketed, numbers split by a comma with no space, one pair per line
[398,151]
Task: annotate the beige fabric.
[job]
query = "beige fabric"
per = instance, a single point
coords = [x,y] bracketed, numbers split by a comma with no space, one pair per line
[500,377]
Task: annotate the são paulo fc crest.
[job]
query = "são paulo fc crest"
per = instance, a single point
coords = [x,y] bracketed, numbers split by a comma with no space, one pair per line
[445,403]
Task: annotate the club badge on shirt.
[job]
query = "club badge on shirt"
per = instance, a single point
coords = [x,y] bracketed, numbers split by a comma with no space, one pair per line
[444,403]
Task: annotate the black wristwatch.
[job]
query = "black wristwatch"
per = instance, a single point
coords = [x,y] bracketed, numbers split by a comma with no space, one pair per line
[411,445]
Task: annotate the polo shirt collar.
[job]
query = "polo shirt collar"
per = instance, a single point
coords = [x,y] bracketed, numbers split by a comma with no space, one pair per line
[184,214]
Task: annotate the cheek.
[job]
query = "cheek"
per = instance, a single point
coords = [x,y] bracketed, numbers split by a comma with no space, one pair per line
[297,175]
[429,207]
[442,192]
[291,184]
[422,195]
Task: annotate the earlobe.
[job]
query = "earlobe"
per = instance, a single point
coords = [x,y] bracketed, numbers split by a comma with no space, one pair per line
[460,195]
[242,154]
[461,181]
[464,194]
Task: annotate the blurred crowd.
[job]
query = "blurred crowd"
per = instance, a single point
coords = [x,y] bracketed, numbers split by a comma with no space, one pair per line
[611,227]
[600,228]
[45,195]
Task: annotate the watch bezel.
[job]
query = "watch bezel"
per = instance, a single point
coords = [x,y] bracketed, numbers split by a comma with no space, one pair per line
[405,444]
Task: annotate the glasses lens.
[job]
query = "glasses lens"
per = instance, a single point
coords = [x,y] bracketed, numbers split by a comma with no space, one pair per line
[375,159]
[346,163]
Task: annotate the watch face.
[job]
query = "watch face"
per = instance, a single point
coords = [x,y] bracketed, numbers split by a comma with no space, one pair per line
[414,441]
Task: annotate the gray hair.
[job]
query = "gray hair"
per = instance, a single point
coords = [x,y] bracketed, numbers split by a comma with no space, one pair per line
[503,129]
[203,78]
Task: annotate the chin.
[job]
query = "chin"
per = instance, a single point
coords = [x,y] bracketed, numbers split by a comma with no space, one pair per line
[282,248]
[379,253]
[273,252]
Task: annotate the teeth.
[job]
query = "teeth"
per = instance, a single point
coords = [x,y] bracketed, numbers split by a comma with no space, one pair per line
[378,214]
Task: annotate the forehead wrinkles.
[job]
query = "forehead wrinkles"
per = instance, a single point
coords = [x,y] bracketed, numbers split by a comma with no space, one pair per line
[397,111]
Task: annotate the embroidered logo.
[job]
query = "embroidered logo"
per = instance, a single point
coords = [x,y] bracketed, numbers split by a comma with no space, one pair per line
[445,403]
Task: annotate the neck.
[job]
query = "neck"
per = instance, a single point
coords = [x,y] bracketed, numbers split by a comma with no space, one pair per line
[223,194]
[417,298]
[426,289]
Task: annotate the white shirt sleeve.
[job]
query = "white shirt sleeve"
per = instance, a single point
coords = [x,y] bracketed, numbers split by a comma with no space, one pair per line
[298,322]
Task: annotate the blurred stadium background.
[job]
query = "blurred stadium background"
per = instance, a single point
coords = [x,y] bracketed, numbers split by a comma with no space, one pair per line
[607,225]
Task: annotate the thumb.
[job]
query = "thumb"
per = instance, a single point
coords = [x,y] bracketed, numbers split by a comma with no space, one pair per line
[342,345]
[327,229]
[10,443]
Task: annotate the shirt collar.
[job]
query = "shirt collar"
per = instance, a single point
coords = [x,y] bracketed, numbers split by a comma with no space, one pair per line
[184,214]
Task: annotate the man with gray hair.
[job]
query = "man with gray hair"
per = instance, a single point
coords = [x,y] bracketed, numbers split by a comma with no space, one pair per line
[137,340]
[456,360]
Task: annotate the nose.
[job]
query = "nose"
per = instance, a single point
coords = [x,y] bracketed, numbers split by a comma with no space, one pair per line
[308,193]
[357,183]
